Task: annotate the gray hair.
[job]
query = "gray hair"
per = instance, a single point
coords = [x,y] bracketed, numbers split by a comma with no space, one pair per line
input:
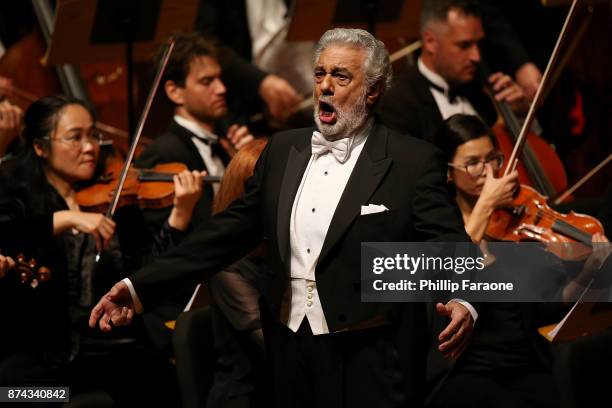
[377,65]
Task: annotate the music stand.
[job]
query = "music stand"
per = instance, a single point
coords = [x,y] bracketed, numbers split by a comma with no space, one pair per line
[116,30]
[386,19]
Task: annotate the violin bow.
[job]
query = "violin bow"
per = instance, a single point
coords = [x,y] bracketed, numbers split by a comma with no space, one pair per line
[518,146]
[583,180]
[110,212]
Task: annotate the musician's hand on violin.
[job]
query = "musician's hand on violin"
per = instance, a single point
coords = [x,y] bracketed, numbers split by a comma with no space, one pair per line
[498,192]
[6,263]
[509,91]
[239,136]
[188,186]
[116,307]
[95,224]
[279,96]
[10,124]
[528,76]
[455,338]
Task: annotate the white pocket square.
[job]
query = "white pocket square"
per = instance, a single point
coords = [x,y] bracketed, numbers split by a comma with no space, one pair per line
[372,209]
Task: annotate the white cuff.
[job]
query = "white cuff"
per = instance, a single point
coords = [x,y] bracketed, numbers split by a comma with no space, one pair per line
[468,306]
[137,305]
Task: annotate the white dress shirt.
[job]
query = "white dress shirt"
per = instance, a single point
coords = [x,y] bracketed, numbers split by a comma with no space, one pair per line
[314,205]
[447,109]
[202,140]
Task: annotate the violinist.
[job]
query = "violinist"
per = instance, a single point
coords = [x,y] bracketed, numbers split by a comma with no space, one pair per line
[506,360]
[45,339]
[444,81]
[192,84]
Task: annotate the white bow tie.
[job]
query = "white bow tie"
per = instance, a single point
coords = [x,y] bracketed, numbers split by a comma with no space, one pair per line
[339,148]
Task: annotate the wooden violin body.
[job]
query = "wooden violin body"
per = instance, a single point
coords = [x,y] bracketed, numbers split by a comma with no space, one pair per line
[147,188]
[531,219]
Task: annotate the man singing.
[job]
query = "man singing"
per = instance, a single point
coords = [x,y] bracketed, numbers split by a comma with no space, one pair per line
[306,200]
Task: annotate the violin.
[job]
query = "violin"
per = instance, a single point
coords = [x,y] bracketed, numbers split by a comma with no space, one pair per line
[147,188]
[530,218]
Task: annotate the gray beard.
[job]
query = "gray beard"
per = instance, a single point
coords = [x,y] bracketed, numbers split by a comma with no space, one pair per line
[348,121]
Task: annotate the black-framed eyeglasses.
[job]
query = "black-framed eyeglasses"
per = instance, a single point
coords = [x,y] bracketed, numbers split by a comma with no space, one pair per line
[475,168]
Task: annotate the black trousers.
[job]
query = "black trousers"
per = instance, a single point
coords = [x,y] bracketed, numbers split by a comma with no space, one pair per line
[507,389]
[354,369]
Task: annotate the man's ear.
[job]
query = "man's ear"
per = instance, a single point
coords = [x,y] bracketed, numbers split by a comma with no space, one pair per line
[40,150]
[174,92]
[374,93]
[430,42]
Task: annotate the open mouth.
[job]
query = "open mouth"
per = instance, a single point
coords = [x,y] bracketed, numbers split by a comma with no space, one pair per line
[327,114]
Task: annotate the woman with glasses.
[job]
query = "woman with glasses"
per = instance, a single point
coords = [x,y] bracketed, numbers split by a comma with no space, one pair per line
[505,364]
[61,150]
[473,166]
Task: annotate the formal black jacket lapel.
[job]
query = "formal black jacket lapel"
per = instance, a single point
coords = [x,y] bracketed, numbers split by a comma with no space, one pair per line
[369,171]
[430,107]
[298,158]
[185,135]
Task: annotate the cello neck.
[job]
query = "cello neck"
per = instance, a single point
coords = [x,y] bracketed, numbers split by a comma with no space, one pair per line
[532,164]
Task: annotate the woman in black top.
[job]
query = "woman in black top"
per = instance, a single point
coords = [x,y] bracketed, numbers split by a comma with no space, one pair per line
[37,192]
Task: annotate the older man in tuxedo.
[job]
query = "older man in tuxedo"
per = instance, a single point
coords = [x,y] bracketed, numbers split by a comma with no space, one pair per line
[305,200]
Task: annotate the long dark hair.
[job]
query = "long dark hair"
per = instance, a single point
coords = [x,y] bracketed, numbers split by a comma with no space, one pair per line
[24,175]
[459,129]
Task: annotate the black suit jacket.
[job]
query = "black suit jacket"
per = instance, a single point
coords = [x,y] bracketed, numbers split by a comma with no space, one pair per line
[409,107]
[405,174]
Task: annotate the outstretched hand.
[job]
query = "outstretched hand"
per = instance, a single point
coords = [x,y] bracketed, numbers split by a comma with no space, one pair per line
[455,338]
[116,307]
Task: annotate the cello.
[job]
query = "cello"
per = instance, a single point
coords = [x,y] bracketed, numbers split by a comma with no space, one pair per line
[540,166]
[529,218]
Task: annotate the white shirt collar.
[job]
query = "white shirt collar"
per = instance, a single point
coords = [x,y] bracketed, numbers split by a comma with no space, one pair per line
[361,135]
[196,129]
[432,76]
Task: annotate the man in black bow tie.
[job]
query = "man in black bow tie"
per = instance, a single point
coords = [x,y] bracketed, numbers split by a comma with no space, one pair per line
[306,200]
[192,84]
[445,80]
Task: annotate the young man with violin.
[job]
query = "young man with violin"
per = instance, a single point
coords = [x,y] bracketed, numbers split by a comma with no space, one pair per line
[445,80]
[192,84]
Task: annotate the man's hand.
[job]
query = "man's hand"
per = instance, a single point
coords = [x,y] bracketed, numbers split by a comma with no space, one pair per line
[116,306]
[528,77]
[455,338]
[279,96]
[507,90]
[188,187]
[239,136]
